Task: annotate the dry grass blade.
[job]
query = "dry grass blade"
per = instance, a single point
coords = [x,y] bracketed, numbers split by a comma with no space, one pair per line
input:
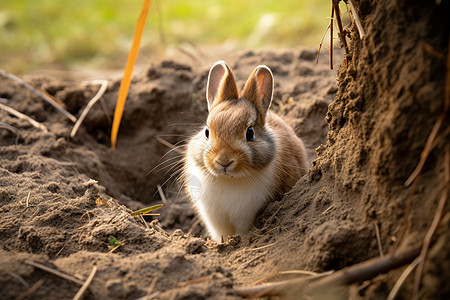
[28,199]
[154,225]
[339,23]
[31,290]
[426,151]
[23,117]
[146,210]
[145,222]
[101,91]
[362,34]
[430,141]
[402,279]
[44,96]
[277,288]
[12,129]
[152,286]
[194,281]
[54,272]
[117,247]
[259,248]
[434,225]
[265,233]
[298,272]
[267,277]
[318,51]
[377,233]
[331,36]
[161,193]
[126,80]
[364,271]
[85,285]
[20,279]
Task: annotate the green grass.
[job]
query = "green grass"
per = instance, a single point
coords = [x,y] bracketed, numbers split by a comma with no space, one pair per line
[34,33]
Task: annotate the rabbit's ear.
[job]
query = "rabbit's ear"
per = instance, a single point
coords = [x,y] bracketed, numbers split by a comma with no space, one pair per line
[259,90]
[221,84]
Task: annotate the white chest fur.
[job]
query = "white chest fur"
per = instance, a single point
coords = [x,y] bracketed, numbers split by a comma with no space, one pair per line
[228,205]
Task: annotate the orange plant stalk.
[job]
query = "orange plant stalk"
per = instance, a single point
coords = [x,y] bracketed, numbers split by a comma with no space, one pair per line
[126,80]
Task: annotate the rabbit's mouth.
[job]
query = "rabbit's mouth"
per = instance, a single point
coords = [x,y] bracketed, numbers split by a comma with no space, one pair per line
[224,171]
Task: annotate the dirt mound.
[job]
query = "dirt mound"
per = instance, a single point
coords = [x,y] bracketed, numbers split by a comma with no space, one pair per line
[48,212]
[390,92]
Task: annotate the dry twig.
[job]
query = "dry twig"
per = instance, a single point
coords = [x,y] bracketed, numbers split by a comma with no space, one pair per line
[267,232]
[28,199]
[194,281]
[434,225]
[23,117]
[154,225]
[31,290]
[317,58]
[259,248]
[19,278]
[152,286]
[54,272]
[243,266]
[299,272]
[276,288]
[44,96]
[402,279]
[429,144]
[161,193]
[364,271]
[377,233]
[91,103]
[362,34]
[353,274]
[85,285]
[331,36]
[339,23]
[12,129]
[267,277]
[116,247]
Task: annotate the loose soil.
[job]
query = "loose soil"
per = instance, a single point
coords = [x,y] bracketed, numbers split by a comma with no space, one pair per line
[364,128]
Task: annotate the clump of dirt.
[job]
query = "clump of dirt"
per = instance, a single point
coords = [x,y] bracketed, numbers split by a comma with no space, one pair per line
[390,91]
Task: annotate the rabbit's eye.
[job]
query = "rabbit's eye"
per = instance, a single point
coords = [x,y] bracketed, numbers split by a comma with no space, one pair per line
[250,134]
[207,133]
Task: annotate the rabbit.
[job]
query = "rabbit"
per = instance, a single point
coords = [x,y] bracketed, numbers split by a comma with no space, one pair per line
[243,157]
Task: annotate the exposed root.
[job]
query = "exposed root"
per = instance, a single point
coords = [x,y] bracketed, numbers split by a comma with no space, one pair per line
[54,272]
[12,129]
[402,279]
[91,103]
[31,290]
[436,220]
[353,274]
[85,285]
[41,94]
[23,117]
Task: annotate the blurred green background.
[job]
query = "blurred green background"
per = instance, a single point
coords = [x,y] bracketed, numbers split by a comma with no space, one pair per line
[98,33]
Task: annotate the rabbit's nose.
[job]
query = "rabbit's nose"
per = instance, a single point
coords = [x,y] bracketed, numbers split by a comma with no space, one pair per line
[225,164]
